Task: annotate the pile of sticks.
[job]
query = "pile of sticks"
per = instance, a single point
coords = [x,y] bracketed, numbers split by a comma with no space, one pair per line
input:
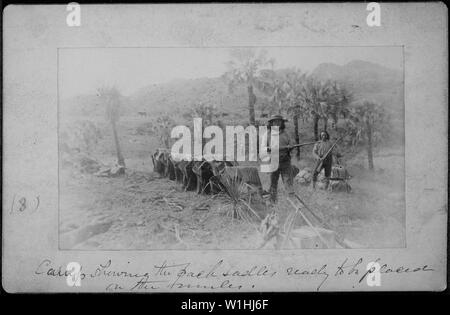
[304,211]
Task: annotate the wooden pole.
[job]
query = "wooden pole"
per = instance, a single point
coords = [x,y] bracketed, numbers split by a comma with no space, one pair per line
[307,221]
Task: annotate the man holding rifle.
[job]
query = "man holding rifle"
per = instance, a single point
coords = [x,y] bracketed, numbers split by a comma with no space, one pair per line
[285,169]
[323,152]
[284,166]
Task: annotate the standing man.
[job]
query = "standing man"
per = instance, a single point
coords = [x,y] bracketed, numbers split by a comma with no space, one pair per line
[319,151]
[284,166]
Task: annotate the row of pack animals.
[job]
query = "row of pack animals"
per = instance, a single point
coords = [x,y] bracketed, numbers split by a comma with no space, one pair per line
[202,176]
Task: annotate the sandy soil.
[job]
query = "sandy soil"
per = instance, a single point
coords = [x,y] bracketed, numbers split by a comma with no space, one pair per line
[142,211]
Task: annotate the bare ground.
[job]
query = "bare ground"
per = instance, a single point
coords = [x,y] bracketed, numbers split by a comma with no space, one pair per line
[141,211]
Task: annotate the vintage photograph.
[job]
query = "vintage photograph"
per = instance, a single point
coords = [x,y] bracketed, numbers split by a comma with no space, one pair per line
[225,147]
[338,112]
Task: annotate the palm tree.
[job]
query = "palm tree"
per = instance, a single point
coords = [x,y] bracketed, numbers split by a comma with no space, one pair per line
[284,91]
[314,93]
[296,107]
[368,118]
[243,68]
[110,97]
[337,100]
[271,85]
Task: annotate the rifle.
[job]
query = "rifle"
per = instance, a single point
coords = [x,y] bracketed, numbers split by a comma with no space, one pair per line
[320,161]
[301,145]
[291,147]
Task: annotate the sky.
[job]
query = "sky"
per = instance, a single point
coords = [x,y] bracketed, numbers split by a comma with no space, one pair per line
[83,70]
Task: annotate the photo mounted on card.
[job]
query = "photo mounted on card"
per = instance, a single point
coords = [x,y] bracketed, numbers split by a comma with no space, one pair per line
[225,148]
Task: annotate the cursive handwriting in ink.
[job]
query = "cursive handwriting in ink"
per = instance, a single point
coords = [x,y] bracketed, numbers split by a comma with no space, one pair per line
[322,271]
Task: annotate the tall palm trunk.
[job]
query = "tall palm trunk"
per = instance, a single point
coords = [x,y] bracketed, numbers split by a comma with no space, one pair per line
[316,127]
[120,159]
[334,119]
[297,136]
[251,104]
[369,146]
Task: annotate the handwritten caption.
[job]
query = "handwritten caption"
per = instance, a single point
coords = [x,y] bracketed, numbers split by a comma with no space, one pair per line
[218,276]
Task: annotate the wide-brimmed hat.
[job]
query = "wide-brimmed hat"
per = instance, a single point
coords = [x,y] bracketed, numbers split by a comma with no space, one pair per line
[277,117]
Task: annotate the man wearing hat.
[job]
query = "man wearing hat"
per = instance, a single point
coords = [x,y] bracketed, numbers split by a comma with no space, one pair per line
[284,166]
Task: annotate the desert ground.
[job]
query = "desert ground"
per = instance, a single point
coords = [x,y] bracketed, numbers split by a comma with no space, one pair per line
[143,211]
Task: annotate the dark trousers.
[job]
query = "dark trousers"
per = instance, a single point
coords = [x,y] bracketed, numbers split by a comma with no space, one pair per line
[285,170]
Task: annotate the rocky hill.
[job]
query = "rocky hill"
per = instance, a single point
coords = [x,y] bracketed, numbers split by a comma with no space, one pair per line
[366,80]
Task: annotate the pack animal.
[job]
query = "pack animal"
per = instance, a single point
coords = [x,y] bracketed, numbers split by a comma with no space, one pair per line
[189,179]
[160,160]
[208,173]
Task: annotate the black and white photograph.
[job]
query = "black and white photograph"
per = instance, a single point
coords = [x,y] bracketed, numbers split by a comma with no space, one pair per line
[225,148]
[120,188]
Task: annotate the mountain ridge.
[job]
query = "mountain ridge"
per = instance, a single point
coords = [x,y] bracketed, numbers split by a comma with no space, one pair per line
[365,79]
